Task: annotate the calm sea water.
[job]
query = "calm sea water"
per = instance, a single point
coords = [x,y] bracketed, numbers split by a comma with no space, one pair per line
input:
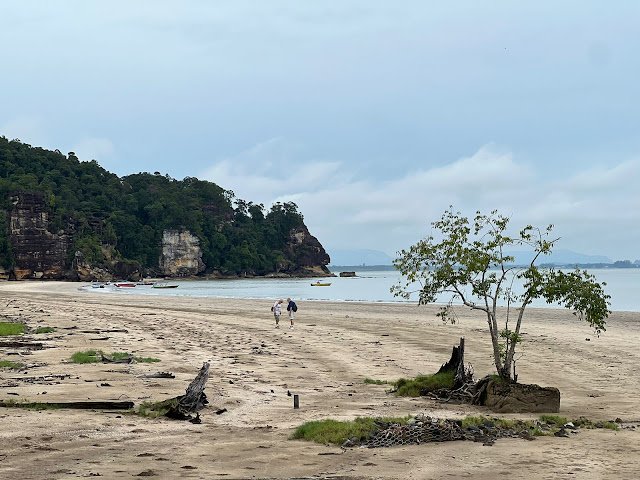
[371,286]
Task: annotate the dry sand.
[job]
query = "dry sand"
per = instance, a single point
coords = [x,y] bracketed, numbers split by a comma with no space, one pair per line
[325,359]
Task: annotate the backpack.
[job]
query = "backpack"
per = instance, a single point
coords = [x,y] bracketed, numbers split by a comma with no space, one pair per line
[272,308]
[294,307]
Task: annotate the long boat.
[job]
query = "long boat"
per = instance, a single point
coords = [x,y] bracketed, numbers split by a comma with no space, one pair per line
[320,284]
[124,284]
[164,285]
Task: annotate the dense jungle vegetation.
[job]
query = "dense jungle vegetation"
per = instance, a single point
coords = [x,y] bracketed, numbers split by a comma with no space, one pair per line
[130,213]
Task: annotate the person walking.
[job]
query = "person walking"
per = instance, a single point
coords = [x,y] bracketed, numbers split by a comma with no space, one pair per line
[277,311]
[292,308]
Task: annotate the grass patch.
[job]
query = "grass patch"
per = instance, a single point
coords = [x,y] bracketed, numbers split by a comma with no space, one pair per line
[371,381]
[146,359]
[336,432]
[95,356]
[11,328]
[45,330]
[28,405]
[156,409]
[423,384]
[11,365]
[584,422]
[88,356]
[556,420]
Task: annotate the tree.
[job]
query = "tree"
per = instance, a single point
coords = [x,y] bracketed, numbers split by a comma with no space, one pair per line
[470,261]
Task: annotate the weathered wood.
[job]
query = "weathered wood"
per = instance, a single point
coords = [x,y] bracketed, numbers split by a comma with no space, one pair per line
[159,375]
[456,364]
[108,359]
[194,398]
[89,405]
[21,344]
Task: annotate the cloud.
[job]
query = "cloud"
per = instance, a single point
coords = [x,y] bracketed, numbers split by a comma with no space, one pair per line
[93,148]
[592,209]
[26,128]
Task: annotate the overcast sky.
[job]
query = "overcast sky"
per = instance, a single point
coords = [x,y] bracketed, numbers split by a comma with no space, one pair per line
[372,116]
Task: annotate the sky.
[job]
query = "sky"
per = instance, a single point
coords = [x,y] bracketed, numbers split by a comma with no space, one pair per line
[373,116]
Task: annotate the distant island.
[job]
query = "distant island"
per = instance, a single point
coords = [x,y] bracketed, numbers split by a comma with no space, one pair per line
[363,259]
[62,218]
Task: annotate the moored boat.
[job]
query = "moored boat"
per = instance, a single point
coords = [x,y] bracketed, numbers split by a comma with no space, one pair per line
[124,284]
[320,284]
[164,285]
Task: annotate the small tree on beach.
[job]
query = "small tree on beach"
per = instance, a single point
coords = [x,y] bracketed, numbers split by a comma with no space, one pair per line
[469,260]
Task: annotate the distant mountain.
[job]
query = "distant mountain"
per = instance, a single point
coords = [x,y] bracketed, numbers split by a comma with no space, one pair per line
[359,257]
[560,257]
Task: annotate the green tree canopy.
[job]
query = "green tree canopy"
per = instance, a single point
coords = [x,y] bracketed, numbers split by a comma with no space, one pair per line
[468,260]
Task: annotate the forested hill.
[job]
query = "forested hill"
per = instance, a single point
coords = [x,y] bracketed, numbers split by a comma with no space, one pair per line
[101,220]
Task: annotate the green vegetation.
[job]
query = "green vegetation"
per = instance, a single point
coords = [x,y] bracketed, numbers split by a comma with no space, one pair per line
[95,356]
[423,384]
[11,365]
[11,328]
[38,406]
[156,409]
[88,356]
[44,330]
[467,258]
[123,219]
[371,381]
[554,420]
[337,432]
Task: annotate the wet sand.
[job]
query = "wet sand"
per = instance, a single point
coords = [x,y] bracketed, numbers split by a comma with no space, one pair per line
[324,360]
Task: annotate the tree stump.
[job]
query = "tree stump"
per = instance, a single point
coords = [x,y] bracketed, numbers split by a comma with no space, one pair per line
[194,398]
[456,364]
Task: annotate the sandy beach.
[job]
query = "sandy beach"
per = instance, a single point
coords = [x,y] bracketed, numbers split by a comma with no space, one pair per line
[324,360]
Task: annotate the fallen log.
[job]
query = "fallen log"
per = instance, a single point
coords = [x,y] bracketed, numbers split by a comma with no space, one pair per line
[90,405]
[159,375]
[21,344]
[111,359]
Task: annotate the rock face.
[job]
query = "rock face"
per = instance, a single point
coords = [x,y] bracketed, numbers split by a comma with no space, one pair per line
[306,254]
[181,254]
[502,397]
[38,253]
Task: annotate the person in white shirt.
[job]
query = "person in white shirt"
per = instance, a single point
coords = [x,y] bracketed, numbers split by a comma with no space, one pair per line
[277,311]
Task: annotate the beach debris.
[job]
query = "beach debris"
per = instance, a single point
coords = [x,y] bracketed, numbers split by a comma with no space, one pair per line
[182,407]
[113,359]
[221,411]
[159,375]
[23,344]
[87,405]
[296,401]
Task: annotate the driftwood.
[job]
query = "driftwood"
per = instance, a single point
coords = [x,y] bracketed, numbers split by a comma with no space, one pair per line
[159,375]
[21,344]
[183,406]
[194,398]
[108,359]
[99,405]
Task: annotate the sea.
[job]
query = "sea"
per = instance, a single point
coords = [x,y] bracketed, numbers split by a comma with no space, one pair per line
[623,285]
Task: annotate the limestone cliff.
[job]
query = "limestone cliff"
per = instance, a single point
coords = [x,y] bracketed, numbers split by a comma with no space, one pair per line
[181,254]
[38,253]
[306,254]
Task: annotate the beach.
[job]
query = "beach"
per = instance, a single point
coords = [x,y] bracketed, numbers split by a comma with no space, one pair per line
[324,359]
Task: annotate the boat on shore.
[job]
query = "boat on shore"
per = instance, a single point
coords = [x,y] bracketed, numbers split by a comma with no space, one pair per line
[164,285]
[320,284]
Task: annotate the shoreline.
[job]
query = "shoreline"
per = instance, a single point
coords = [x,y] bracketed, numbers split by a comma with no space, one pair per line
[325,359]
